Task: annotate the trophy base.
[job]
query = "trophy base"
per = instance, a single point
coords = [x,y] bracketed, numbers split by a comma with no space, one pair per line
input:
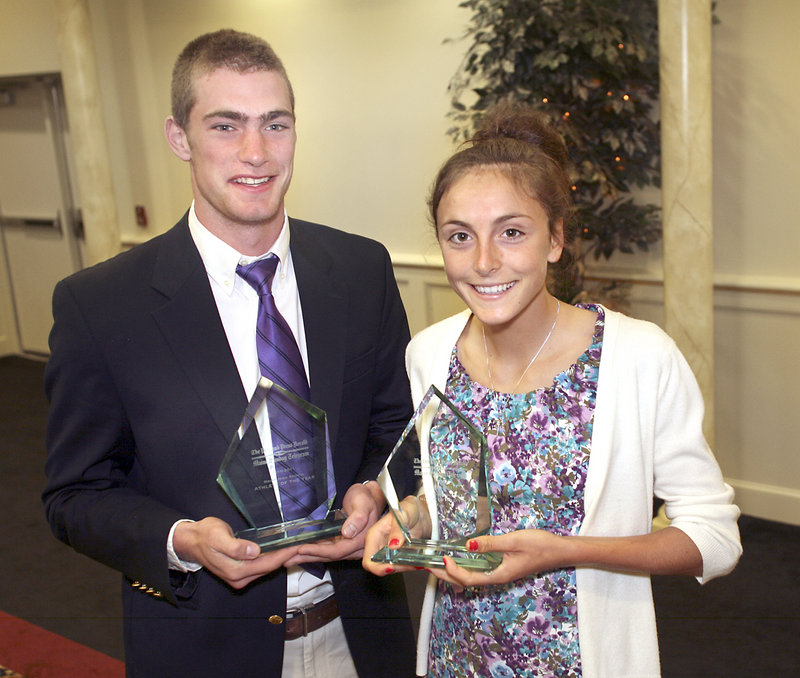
[296,532]
[427,553]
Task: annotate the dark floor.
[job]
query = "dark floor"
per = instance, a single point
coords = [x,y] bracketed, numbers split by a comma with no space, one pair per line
[41,580]
[746,624]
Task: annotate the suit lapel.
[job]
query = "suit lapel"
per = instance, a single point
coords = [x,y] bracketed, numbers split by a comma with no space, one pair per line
[324,305]
[190,323]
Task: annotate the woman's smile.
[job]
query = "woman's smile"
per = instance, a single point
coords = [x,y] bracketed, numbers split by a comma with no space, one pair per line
[494,289]
[496,244]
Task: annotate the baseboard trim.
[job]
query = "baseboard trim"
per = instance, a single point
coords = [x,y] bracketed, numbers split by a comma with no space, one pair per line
[770,502]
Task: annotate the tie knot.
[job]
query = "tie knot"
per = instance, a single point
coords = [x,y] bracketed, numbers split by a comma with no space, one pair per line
[259,274]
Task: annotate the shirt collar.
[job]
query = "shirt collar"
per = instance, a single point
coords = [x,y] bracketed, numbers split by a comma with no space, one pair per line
[221,260]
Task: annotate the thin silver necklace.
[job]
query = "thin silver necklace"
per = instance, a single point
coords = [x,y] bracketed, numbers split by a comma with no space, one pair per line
[535,355]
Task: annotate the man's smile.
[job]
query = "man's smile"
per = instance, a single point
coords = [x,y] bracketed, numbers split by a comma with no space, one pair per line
[252,181]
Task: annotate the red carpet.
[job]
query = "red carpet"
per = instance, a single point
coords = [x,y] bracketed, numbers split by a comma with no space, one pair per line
[32,652]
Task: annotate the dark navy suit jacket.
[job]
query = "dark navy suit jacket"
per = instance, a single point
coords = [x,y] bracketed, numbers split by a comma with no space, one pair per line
[145,397]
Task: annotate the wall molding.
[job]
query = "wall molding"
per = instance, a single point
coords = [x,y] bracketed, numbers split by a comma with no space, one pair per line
[743,302]
[761,294]
[9,335]
[8,345]
[433,261]
[427,296]
[767,284]
[788,285]
[770,502]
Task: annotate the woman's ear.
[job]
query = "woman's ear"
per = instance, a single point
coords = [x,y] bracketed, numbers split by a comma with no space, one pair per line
[177,139]
[556,241]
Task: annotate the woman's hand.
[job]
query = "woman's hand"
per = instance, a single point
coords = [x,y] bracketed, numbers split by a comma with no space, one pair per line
[527,552]
[386,532]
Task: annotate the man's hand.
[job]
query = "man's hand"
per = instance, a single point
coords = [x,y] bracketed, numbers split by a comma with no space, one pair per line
[210,543]
[363,505]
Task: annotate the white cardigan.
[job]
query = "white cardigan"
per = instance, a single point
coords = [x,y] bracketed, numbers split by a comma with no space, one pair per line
[647,439]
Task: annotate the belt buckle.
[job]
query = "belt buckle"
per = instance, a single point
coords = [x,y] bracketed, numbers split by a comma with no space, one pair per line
[303,613]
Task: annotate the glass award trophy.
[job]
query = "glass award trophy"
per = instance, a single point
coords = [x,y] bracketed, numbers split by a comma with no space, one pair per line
[449,457]
[286,497]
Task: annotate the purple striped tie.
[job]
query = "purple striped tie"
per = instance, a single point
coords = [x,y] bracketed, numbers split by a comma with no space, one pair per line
[280,361]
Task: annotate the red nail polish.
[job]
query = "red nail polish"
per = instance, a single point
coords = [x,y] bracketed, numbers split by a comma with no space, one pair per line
[394,543]
[389,570]
[472,545]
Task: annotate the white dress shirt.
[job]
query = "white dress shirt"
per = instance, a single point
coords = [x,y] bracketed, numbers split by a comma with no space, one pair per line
[237,303]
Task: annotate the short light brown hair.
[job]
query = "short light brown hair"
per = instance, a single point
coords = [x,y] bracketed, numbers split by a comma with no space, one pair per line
[226,48]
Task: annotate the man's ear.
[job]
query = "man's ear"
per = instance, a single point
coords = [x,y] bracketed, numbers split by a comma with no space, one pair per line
[556,241]
[177,139]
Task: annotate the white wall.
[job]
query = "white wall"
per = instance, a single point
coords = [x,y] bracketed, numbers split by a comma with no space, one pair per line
[756,127]
[371,77]
[757,238]
[27,45]
[27,37]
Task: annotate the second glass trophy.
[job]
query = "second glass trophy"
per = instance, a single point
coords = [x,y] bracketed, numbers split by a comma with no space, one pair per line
[286,496]
[450,457]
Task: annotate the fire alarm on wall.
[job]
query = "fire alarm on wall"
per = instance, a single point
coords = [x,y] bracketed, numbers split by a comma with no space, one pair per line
[141,215]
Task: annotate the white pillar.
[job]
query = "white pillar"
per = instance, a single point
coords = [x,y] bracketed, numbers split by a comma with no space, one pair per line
[88,131]
[684,28]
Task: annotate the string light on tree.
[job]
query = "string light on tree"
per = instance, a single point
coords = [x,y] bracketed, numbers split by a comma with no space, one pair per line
[594,71]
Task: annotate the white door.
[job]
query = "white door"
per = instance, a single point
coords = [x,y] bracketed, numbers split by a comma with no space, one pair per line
[37,213]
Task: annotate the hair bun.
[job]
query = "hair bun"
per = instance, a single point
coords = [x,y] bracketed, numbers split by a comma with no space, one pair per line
[524,124]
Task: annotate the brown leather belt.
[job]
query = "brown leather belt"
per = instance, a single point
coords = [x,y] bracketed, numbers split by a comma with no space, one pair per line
[300,623]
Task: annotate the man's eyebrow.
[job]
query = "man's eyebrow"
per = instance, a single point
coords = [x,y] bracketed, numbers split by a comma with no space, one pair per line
[227,115]
[274,115]
[238,116]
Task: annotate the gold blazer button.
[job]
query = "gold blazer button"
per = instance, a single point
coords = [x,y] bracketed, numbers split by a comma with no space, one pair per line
[275,619]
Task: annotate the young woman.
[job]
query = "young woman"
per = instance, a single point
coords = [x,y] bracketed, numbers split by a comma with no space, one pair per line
[588,415]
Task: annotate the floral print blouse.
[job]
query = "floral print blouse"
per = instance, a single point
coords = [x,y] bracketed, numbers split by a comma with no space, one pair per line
[539,444]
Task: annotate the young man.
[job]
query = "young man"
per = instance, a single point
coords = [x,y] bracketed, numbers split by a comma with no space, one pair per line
[153,358]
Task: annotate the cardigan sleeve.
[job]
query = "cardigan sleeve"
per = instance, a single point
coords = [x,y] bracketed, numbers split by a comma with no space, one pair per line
[656,442]
[687,477]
